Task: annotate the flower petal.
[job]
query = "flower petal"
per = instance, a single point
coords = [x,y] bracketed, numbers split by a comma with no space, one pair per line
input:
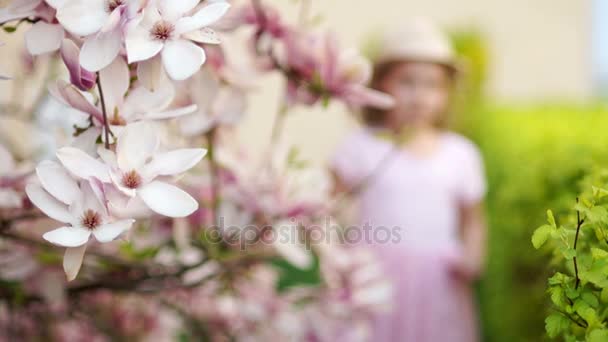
[57,182]
[204,35]
[174,162]
[149,73]
[204,17]
[68,236]
[141,100]
[110,231]
[171,113]
[140,46]
[43,38]
[136,143]
[72,260]
[173,9]
[115,82]
[70,95]
[182,59]
[83,17]
[167,200]
[48,204]
[98,51]
[81,78]
[83,165]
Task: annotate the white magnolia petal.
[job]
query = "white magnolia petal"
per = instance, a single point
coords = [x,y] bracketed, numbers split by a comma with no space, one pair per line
[68,236]
[83,165]
[43,38]
[93,199]
[72,260]
[49,205]
[204,35]
[182,59]
[196,124]
[110,231]
[100,50]
[115,81]
[174,162]
[149,73]
[70,95]
[173,9]
[136,143]
[57,182]
[204,17]
[83,17]
[167,200]
[170,113]
[141,100]
[107,156]
[140,45]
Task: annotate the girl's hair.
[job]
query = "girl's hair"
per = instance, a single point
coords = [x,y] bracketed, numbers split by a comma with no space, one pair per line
[375,117]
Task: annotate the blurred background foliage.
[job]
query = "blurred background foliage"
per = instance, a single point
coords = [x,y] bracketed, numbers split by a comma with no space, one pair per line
[535,156]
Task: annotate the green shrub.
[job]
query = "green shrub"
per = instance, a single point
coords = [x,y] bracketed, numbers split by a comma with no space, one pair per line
[534,157]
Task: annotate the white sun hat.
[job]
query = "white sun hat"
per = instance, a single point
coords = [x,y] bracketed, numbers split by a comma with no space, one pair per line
[418,40]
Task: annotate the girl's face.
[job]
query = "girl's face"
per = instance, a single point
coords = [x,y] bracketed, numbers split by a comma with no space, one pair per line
[421,92]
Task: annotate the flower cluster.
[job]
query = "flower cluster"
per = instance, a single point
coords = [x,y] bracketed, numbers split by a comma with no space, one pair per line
[147,90]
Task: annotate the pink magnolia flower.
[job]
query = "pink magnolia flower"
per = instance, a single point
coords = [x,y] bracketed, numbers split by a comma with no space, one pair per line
[101,22]
[136,167]
[218,104]
[137,105]
[78,204]
[164,28]
[321,71]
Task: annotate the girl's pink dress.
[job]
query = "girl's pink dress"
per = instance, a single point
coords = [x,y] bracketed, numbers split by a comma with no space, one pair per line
[417,199]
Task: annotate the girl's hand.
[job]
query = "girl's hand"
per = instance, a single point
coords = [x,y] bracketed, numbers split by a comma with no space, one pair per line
[464,268]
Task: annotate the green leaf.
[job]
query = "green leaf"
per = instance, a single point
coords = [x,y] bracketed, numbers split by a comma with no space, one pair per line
[10,29]
[604,295]
[555,324]
[590,299]
[541,234]
[551,218]
[569,253]
[598,335]
[598,253]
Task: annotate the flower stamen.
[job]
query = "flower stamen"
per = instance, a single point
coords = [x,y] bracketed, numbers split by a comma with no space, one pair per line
[113,4]
[91,219]
[162,30]
[131,179]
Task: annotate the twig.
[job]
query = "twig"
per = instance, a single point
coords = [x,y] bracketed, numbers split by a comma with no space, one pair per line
[106,124]
[579,223]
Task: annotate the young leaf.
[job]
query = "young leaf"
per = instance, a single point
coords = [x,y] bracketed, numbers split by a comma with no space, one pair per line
[541,234]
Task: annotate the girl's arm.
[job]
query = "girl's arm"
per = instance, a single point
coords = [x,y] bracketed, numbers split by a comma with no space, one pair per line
[474,234]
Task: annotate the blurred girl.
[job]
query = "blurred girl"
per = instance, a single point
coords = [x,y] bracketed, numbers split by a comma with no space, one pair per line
[420,191]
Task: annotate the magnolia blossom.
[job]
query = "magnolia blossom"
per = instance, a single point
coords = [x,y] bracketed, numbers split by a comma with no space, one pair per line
[101,22]
[138,104]
[218,104]
[165,28]
[137,167]
[323,71]
[78,204]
